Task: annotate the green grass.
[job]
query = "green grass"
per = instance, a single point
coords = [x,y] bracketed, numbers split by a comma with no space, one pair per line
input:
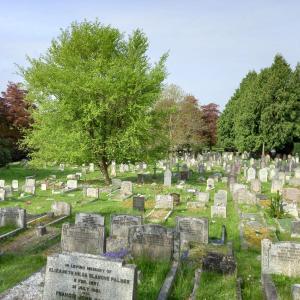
[283,285]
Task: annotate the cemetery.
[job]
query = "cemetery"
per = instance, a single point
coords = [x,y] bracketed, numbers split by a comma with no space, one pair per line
[116,184]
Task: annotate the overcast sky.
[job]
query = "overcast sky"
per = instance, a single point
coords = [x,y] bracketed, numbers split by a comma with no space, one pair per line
[212,44]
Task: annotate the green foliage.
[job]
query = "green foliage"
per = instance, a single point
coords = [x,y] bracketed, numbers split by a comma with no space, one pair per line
[296,148]
[94,91]
[276,206]
[5,152]
[264,110]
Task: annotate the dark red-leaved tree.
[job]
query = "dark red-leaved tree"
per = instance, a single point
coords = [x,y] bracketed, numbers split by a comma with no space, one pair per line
[14,117]
[210,115]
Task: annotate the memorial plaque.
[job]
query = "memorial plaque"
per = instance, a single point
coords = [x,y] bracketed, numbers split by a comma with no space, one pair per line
[164,202]
[192,229]
[119,224]
[13,216]
[90,220]
[61,209]
[151,241]
[83,239]
[280,258]
[139,203]
[84,276]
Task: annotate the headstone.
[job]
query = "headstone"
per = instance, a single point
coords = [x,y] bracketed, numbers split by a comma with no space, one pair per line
[30,182]
[295,230]
[92,192]
[13,216]
[72,184]
[168,178]
[192,229]
[61,209]
[126,189]
[297,173]
[291,194]
[210,184]
[89,219]
[62,167]
[244,196]
[218,211]
[164,202]
[116,183]
[277,185]
[280,258]
[251,173]
[91,167]
[138,203]
[202,197]
[119,224]
[15,185]
[256,186]
[152,241]
[2,194]
[83,239]
[2,184]
[84,276]
[29,189]
[176,198]
[263,175]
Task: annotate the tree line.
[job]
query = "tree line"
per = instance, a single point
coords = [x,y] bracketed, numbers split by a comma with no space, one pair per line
[264,112]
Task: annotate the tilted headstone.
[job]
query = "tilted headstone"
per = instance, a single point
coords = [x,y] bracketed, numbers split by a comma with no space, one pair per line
[167,178]
[13,216]
[61,209]
[85,276]
[83,239]
[152,241]
[280,258]
[89,219]
[192,229]
[164,202]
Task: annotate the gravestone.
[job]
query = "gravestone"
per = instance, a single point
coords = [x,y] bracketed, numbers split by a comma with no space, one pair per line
[256,186]
[29,189]
[2,194]
[251,173]
[210,184]
[72,184]
[113,170]
[243,196]
[89,219]
[92,192]
[296,291]
[83,239]
[138,203]
[281,258]
[2,183]
[119,224]
[84,276]
[291,194]
[192,229]
[218,211]
[277,185]
[15,185]
[126,189]
[297,173]
[116,183]
[295,230]
[152,241]
[140,178]
[61,209]
[176,198]
[44,186]
[13,216]
[168,178]
[263,175]
[164,202]
[202,197]
[91,167]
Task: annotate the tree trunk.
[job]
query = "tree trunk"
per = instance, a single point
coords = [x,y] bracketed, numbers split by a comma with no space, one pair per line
[104,170]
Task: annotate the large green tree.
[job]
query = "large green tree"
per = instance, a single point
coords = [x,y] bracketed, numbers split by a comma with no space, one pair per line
[94,91]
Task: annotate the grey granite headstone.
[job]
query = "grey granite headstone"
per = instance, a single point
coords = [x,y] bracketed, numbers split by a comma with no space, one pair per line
[83,239]
[138,203]
[119,224]
[83,276]
[152,241]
